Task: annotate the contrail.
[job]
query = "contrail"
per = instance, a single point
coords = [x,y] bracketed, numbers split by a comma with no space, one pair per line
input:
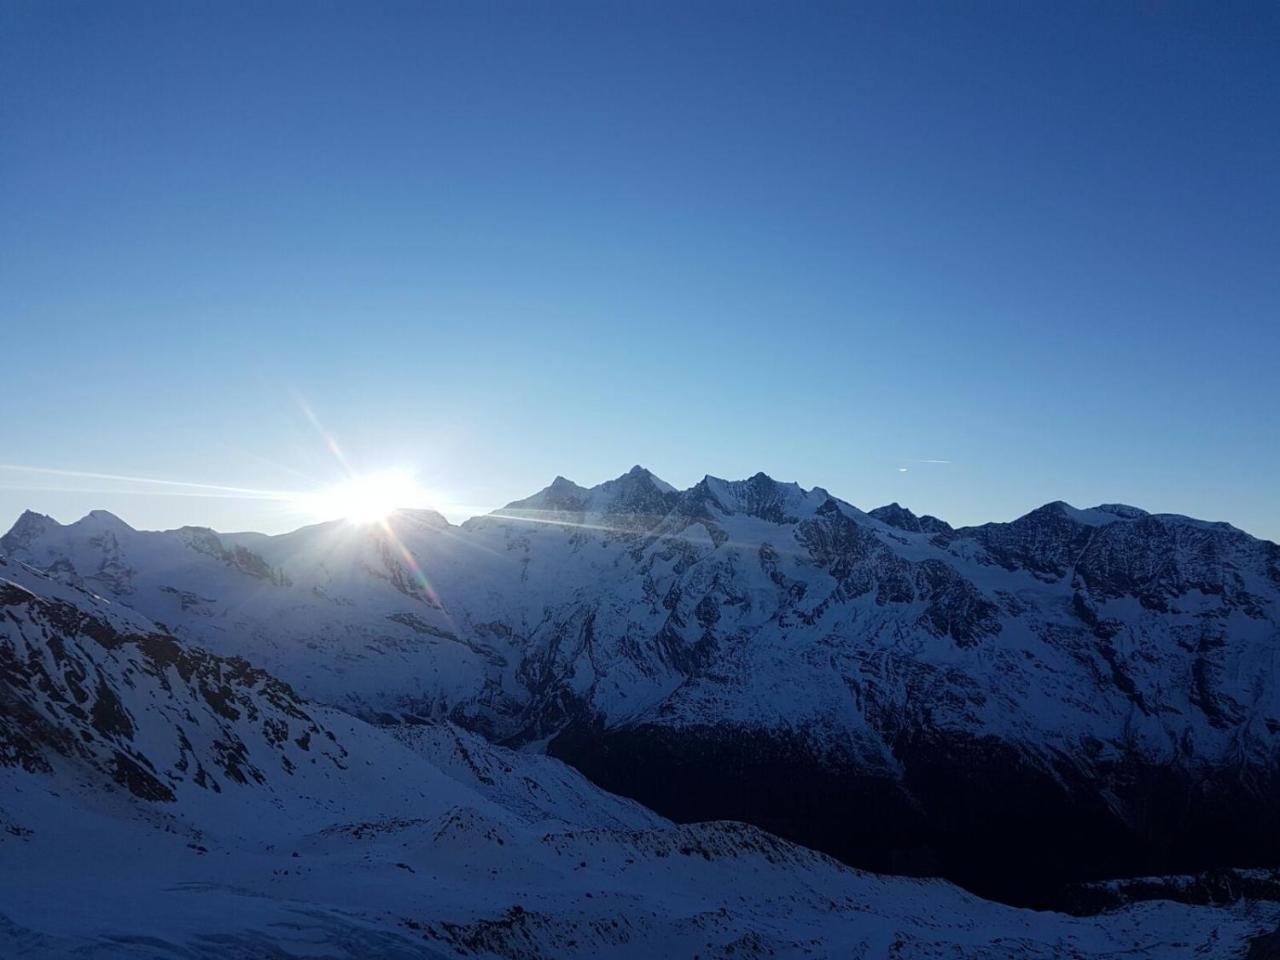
[207,489]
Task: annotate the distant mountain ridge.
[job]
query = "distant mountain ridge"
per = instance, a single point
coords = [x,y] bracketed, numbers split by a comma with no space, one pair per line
[880,685]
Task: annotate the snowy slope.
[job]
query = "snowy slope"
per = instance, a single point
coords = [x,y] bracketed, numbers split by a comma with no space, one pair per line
[334,609]
[254,823]
[1104,669]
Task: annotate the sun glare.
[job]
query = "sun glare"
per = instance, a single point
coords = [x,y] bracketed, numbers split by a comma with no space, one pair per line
[365,499]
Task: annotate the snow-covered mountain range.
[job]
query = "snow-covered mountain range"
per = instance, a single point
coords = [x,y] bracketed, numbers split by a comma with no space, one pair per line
[158,800]
[1074,695]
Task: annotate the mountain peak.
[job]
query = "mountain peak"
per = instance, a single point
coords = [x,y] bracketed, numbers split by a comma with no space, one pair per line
[562,495]
[1122,510]
[639,473]
[637,493]
[896,515]
[759,496]
[103,518]
[1095,517]
[423,515]
[31,518]
[28,527]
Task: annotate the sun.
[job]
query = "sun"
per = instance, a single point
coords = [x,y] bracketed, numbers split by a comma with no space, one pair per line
[364,499]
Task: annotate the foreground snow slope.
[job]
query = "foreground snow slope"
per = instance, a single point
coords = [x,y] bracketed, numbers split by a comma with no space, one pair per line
[880,685]
[160,801]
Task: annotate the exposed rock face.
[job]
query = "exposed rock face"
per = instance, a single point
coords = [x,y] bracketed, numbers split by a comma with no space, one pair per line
[885,687]
[899,516]
[1217,887]
[83,683]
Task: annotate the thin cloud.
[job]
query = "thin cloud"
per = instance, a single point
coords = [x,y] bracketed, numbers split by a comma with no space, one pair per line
[149,484]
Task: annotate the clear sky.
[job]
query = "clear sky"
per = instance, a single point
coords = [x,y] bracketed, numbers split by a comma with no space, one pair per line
[493,243]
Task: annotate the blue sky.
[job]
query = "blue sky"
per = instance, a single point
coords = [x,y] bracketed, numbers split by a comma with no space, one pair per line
[493,243]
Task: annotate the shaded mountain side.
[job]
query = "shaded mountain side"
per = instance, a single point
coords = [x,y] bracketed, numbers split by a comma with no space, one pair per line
[974,812]
[1220,887]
